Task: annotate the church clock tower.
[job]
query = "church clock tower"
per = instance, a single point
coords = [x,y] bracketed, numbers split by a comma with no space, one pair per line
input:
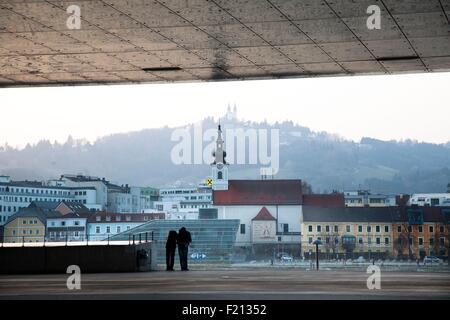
[219,168]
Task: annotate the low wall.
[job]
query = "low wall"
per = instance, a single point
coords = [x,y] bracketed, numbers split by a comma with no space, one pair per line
[90,259]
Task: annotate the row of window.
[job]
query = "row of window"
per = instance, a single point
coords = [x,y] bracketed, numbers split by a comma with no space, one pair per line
[26,231]
[29,221]
[193,206]
[420,241]
[108,229]
[420,229]
[360,240]
[64,224]
[348,228]
[38,191]
[30,199]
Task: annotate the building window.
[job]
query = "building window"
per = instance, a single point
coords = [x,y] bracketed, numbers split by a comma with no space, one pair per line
[369,240]
[310,228]
[285,227]
[108,229]
[409,229]
[347,228]
[118,229]
[441,241]
[420,229]
[441,229]
[327,228]
[386,241]
[97,229]
[310,240]
[378,240]
[386,228]
[242,228]
[77,223]
[219,175]
[420,241]
[360,239]
[377,229]
[431,229]
[327,240]
[369,229]
[319,228]
[336,229]
[431,241]
[359,229]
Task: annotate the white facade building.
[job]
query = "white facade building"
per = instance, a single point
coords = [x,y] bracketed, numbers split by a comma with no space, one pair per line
[102,225]
[70,227]
[128,200]
[19,194]
[430,199]
[80,181]
[363,198]
[183,203]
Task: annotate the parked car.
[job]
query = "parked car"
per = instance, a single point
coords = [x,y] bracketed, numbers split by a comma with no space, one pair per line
[287,258]
[431,259]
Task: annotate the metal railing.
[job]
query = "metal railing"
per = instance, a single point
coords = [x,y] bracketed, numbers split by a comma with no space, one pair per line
[73,240]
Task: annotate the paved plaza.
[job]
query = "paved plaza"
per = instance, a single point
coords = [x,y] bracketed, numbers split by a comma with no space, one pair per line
[258,284]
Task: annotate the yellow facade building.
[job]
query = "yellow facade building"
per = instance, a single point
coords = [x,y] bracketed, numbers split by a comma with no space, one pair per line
[27,225]
[347,232]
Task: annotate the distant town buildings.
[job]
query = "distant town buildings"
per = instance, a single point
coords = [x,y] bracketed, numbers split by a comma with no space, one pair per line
[102,225]
[363,198]
[260,217]
[183,203]
[430,199]
[15,195]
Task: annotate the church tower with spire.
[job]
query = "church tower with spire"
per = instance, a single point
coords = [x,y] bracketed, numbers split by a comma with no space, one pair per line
[219,168]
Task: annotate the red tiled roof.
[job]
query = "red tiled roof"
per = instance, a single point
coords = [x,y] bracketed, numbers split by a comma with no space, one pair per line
[334,200]
[264,214]
[260,192]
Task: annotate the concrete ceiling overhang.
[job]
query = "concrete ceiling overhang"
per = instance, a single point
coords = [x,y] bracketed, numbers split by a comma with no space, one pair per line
[142,41]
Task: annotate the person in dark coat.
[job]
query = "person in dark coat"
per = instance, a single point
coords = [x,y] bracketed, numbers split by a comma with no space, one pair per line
[171,246]
[183,240]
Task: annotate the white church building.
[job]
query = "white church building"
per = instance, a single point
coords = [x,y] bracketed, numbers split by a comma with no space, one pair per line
[270,211]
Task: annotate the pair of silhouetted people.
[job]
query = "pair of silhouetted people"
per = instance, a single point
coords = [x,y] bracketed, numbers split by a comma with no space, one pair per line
[182,239]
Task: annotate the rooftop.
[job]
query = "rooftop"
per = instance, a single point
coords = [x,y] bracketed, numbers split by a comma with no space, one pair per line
[260,192]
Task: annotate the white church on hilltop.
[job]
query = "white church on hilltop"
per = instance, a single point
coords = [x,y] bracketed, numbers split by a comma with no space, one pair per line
[270,211]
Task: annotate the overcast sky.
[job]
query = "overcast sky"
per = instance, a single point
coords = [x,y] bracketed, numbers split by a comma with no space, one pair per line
[415,106]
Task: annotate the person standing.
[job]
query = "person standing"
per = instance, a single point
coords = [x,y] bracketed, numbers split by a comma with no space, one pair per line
[183,240]
[171,245]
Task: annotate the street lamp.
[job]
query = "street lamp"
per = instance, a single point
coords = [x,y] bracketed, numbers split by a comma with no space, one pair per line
[317,242]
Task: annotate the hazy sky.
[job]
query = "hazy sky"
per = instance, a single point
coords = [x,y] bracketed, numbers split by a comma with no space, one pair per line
[415,106]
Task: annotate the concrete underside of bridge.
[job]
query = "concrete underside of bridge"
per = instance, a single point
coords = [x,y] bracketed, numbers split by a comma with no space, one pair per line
[143,41]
